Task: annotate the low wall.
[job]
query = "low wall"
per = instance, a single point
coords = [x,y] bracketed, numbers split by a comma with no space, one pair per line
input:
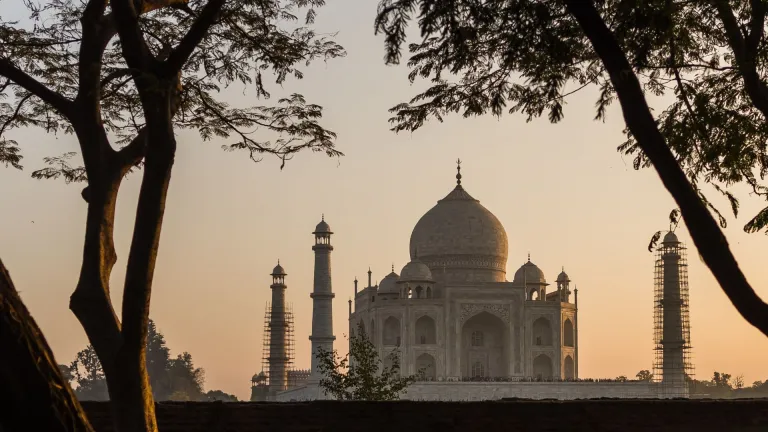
[487,391]
[307,392]
[480,391]
[530,416]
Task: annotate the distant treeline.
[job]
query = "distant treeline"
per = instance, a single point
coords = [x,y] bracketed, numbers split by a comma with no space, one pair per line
[721,386]
[171,379]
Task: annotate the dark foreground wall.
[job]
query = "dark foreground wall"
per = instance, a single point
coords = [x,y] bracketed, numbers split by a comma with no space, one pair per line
[530,416]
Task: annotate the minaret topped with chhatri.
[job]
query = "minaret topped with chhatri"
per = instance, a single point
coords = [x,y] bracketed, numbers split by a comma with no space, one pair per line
[322,297]
[278,328]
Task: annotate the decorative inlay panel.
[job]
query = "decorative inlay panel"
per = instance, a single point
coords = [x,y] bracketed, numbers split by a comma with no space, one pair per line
[468,310]
[464,261]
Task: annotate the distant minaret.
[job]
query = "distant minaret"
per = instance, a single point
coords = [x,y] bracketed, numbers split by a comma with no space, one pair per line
[278,331]
[671,318]
[322,296]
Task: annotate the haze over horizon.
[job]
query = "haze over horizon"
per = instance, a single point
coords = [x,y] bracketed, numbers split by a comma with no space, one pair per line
[563,193]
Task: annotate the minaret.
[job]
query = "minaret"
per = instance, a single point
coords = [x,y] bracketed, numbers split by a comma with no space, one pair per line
[278,332]
[322,297]
[671,320]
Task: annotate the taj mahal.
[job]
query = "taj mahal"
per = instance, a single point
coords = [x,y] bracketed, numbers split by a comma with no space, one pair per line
[451,316]
[451,312]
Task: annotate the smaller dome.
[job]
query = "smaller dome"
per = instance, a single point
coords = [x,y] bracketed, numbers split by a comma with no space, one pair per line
[529,273]
[671,238]
[278,270]
[563,277]
[322,227]
[259,377]
[388,285]
[415,271]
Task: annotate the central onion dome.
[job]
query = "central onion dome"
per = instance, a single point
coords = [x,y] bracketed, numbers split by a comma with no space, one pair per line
[460,240]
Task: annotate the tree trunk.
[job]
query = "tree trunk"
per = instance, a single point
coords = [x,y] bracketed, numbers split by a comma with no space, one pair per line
[33,393]
[135,402]
[706,234]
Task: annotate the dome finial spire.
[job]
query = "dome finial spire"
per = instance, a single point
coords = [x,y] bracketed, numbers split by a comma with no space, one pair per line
[458,172]
[393,267]
[529,257]
[322,217]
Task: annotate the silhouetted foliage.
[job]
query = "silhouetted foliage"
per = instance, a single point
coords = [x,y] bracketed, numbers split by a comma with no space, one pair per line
[218,395]
[528,56]
[725,386]
[88,374]
[361,375]
[644,375]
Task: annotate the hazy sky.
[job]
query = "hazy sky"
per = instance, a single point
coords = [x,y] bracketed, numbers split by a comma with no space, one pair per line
[562,192]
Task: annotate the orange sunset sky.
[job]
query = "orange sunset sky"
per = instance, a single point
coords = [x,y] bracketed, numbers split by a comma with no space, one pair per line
[562,192]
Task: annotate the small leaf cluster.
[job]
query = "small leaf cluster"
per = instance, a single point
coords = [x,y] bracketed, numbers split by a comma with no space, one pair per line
[361,375]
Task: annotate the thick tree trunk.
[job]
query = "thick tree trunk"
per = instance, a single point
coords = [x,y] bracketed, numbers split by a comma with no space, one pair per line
[706,234]
[136,401]
[33,393]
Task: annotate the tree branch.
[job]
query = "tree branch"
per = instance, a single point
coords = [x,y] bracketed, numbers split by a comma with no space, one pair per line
[745,52]
[757,28]
[135,50]
[706,234]
[135,151]
[21,78]
[192,39]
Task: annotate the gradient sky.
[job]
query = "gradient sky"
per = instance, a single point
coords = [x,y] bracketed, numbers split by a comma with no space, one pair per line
[562,192]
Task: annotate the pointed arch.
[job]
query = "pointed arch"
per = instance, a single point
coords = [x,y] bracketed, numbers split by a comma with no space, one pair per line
[568,333]
[542,367]
[426,331]
[425,366]
[542,332]
[568,367]
[391,331]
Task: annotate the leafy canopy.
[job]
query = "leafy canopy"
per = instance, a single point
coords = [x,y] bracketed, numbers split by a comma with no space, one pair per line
[42,66]
[526,56]
[360,375]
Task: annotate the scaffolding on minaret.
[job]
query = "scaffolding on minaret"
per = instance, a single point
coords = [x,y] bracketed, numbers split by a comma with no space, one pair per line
[289,343]
[673,357]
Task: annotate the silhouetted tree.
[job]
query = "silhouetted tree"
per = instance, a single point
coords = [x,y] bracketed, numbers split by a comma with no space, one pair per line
[171,379]
[158,359]
[520,56]
[738,382]
[644,375]
[722,380]
[361,375]
[218,395]
[88,374]
[184,378]
[123,76]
